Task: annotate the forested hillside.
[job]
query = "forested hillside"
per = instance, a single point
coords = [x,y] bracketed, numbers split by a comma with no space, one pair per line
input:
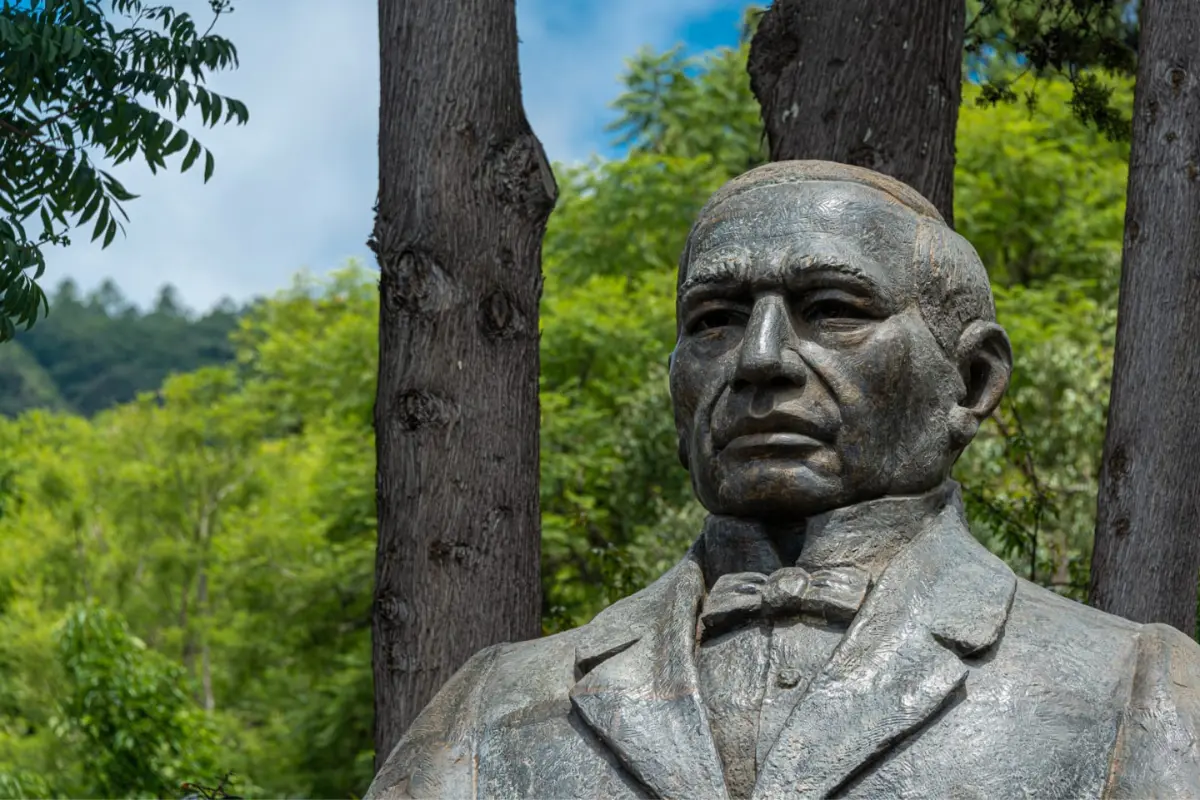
[94,352]
[185,586]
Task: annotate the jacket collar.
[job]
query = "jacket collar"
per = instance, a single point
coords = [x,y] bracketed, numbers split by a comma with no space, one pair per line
[943,597]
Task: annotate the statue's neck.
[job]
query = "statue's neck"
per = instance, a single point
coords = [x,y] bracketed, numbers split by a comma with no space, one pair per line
[866,535]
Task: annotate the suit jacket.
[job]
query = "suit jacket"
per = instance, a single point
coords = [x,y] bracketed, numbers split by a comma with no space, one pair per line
[955,679]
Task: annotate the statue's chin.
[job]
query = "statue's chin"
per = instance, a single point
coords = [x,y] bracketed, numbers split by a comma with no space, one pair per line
[766,490]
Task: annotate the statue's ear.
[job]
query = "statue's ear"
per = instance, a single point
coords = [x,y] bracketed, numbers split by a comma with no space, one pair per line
[984,357]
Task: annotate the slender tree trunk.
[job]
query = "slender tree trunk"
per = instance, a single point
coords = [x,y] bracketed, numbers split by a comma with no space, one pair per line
[874,83]
[1147,552]
[187,655]
[464,194]
[206,684]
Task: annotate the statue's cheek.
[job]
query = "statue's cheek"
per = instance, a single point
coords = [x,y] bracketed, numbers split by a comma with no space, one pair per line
[701,374]
[884,363]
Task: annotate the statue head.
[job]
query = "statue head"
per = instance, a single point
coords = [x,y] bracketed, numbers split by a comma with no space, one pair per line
[836,343]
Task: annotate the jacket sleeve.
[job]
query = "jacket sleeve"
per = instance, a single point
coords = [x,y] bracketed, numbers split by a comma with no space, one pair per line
[1157,753]
[436,757]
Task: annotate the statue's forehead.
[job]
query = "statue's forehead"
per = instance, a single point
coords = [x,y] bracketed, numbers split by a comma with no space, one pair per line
[815,221]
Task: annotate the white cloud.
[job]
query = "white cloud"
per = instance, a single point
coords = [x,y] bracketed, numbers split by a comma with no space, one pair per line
[295,186]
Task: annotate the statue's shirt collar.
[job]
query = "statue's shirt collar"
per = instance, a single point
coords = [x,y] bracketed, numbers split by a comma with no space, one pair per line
[866,535]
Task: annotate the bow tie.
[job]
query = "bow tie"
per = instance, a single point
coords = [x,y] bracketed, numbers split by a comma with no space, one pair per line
[834,594]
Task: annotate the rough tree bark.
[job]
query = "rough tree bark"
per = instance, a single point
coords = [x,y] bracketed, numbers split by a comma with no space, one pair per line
[875,83]
[1147,552]
[464,194]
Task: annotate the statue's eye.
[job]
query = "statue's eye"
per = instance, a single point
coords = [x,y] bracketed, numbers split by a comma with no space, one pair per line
[834,310]
[718,318]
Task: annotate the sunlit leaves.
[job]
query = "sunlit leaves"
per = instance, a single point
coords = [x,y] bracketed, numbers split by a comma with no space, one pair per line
[687,107]
[625,217]
[1039,193]
[609,466]
[73,86]
[229,518]
[1031,474]
[126,707]
[1071,41]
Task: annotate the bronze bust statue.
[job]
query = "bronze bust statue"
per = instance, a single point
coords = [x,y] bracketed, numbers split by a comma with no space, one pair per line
[835,630]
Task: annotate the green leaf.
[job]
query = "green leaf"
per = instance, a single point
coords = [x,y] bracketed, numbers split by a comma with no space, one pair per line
[215,108]
[203,99]
[192,154]
[47,223]
[83,185]
[177,143]
[91,208]
[101,222]
[182,96]
[238,110]
[117,189]
[209,165]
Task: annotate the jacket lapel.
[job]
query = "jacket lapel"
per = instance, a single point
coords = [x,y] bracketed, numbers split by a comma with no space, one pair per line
[639,687]
[943,597]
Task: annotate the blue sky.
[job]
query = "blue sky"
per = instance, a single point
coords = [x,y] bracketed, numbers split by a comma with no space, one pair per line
[294,188]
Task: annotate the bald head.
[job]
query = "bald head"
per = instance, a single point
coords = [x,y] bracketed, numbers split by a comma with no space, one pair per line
[947,278]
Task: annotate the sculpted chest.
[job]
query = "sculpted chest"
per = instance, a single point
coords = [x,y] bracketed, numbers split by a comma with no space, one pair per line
[952,681]
[1028,721]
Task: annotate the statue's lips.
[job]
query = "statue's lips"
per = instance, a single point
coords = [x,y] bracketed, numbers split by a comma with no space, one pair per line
[776,443]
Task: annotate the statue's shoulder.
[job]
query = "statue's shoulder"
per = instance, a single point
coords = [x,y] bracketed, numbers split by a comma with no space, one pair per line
[1086,654]
[1035,607]
[1042,621]
[534,672]
[511,684]
[435,757]
[1038,608]
[1151,671]
[1159,744]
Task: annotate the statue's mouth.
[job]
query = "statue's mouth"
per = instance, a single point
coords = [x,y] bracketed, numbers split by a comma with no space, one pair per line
[773,432]
[772,444]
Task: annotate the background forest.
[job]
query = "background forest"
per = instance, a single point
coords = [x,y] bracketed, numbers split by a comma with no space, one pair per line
[185,588]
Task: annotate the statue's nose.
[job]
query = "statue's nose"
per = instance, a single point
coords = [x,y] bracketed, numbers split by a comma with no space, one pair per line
[767,355]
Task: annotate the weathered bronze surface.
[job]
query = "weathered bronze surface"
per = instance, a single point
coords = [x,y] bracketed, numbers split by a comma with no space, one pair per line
[835,630]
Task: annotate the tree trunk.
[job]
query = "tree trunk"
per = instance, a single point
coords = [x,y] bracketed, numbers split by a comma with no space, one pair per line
[202,608]
[874,83]
[188,652]
[1147,552]
[464,194]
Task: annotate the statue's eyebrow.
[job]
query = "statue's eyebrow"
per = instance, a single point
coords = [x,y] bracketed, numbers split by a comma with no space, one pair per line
[728,269]
[817,269]
[734,273]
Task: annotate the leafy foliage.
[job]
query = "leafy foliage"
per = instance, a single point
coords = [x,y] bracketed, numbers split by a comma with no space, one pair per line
[1041,194]
[1017,166]
[1078,41]
[24,383]
[667,111]
[125,707]
[72,81]
[676,106]
[101,351]
[229,519]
